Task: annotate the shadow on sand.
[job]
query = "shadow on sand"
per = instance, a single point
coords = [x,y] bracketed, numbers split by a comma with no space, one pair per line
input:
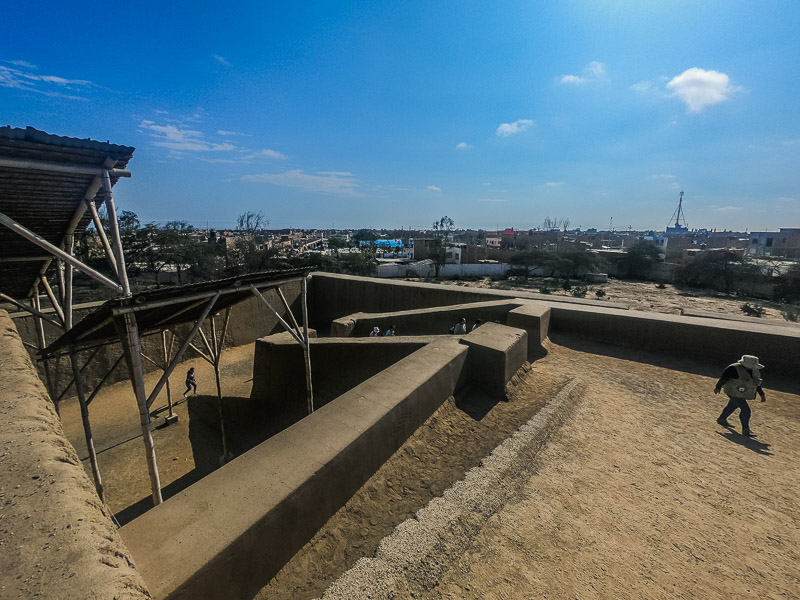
[747,442]
[247,424]
[775,381]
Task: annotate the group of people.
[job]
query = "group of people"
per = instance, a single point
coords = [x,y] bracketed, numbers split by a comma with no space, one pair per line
[460,328]
[376,332]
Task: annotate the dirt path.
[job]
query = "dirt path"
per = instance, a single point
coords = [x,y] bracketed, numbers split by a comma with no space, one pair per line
[642,495]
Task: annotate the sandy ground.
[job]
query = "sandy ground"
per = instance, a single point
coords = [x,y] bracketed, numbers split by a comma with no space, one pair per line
[640,295]
[642,495]
[185,451]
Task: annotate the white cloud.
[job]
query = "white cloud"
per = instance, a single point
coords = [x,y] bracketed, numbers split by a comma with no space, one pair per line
[177,139]
[662,176]
[329,182]
[728,209]
[433,188]
[507,129]
[22,77]
[222,60]
[699,88]
[231,133]
[491,199]
[463,146]
[22,63]
[554,184]
[793,142]
[267,153]
[594,72]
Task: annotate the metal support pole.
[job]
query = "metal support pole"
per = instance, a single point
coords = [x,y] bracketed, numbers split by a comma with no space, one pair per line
[282,321]
[129,335]
[37,313]
[181,350]
[217,354]
[101,233]
[68,288]
[87,428]
[165,354]
[56,251]
[288,309]
[42,345]
[49,291]
[122,273]
[307,346]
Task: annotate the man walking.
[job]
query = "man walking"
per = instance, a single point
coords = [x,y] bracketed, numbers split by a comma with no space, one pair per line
[741,381]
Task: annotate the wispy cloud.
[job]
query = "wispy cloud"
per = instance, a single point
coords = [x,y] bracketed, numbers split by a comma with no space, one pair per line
[700,89]
[668,176]
[266,153]
[231,133]
[222,60]
[433,188]
[552,184]
[491,199]
[728,209]
[329,182]
[594,72]
[21,76]
[793,142]
[179,139]
[22,63]
[463,146]
[507,129]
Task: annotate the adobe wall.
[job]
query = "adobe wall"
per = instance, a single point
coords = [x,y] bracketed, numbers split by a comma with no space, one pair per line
[695,337]
[228,534]
[337,365]
[57,539]
[335,296]
[424,321]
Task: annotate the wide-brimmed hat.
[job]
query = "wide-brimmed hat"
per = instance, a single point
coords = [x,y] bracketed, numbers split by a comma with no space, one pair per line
[749,361]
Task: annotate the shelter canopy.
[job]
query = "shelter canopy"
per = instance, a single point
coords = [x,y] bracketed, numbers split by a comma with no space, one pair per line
[161,309]
[44,180]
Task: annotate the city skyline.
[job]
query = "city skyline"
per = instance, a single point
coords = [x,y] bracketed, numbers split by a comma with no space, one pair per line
[335,115]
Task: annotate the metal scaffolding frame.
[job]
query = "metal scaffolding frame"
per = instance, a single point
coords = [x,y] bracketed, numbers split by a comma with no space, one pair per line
[77,176]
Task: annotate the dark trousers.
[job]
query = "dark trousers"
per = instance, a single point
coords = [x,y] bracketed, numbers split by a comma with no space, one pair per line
[743,406]
[191,384]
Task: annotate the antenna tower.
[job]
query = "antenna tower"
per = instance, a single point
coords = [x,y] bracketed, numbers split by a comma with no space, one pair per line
[678,217]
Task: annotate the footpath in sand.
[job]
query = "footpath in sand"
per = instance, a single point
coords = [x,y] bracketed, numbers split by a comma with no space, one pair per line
[642,495]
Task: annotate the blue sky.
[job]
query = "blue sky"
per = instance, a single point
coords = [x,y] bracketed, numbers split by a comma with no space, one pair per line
[387,114]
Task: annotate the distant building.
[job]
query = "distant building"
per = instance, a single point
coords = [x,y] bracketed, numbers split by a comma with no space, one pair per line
[784,243]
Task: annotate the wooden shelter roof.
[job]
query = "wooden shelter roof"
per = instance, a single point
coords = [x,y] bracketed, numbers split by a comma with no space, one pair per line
[164,308]
[43,181]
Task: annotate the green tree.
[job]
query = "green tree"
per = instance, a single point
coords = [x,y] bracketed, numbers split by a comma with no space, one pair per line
[438,247]
[639,259]
[527,261]
[717,269]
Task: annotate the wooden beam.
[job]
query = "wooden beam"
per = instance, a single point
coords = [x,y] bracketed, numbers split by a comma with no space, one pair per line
[129,335]
[307,346]
[103,380]
[217,377]
[31,310]
[101,233]
[68,284]
[49,291]
[57,252]
[288,309]
[286,326]
[87,427]
[119,254]
[15,259]
[40,165]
